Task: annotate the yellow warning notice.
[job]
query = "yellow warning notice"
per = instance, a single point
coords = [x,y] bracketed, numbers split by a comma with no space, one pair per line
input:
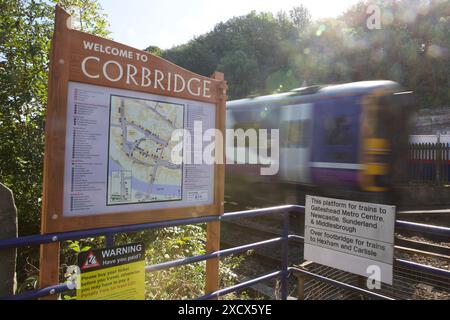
[112,274]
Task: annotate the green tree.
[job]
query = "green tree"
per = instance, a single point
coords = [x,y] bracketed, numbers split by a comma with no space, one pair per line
[154,50]
[248,49]
[412,47]
[23,96]
[87,16]
[241,70]
[26,27]
[260,53]
[300,17]
[197,55]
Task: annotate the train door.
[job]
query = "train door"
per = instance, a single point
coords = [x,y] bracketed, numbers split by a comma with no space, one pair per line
[295,146]
[335,142]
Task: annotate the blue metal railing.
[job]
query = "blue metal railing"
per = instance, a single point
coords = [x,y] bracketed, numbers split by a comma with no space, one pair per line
[282,274]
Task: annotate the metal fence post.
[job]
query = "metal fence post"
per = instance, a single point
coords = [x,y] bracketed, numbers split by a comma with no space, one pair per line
[109,240]
[285,256]
[446,163]
[438,163]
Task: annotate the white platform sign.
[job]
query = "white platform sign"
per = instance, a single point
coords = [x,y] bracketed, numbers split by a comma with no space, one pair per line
[119,150]
[356,237]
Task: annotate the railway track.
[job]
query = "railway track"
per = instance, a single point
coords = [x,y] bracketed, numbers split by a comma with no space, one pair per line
[425,248]
[434,217]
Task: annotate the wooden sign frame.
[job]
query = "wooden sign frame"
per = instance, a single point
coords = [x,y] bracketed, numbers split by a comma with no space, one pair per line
[66,58]
[66,66]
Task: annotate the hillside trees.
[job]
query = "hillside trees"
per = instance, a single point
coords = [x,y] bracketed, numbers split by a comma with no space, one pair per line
[249,49]
[261,53]
[412,47]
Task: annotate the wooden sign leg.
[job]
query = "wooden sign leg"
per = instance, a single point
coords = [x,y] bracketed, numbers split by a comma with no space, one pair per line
[212,265]
[49,267]
[213,228]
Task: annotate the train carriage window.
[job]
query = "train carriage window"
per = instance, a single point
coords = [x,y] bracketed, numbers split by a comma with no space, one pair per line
[338,131]
[256,119]
[295,134]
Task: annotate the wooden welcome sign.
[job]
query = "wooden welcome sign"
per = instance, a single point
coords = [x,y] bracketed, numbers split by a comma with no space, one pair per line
[110,154]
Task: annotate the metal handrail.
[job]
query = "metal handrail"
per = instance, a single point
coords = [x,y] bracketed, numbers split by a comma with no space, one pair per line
[26,241]
[217,254]
[74,235]
[240,286]
[423,228]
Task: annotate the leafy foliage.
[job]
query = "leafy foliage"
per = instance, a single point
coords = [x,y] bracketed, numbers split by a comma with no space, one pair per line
[23,96]
[87,16]
[162,245]
[26,27]
[185,282]
[154,50]
[247,49]
[300,17]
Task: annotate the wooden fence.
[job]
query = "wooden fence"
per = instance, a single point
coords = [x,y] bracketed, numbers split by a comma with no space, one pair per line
[428,163]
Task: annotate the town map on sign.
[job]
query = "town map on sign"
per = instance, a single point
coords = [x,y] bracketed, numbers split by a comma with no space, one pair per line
[139,165]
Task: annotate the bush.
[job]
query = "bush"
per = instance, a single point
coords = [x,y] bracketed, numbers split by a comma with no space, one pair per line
[185,282]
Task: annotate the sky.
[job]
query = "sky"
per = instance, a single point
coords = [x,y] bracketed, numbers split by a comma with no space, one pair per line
[166,23]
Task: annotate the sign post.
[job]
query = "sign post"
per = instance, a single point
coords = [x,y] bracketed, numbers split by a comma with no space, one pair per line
[116,273]
[352,236]
[125,138]
[213,228]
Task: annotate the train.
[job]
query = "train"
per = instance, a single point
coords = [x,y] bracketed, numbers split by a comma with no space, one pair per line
[344,140]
